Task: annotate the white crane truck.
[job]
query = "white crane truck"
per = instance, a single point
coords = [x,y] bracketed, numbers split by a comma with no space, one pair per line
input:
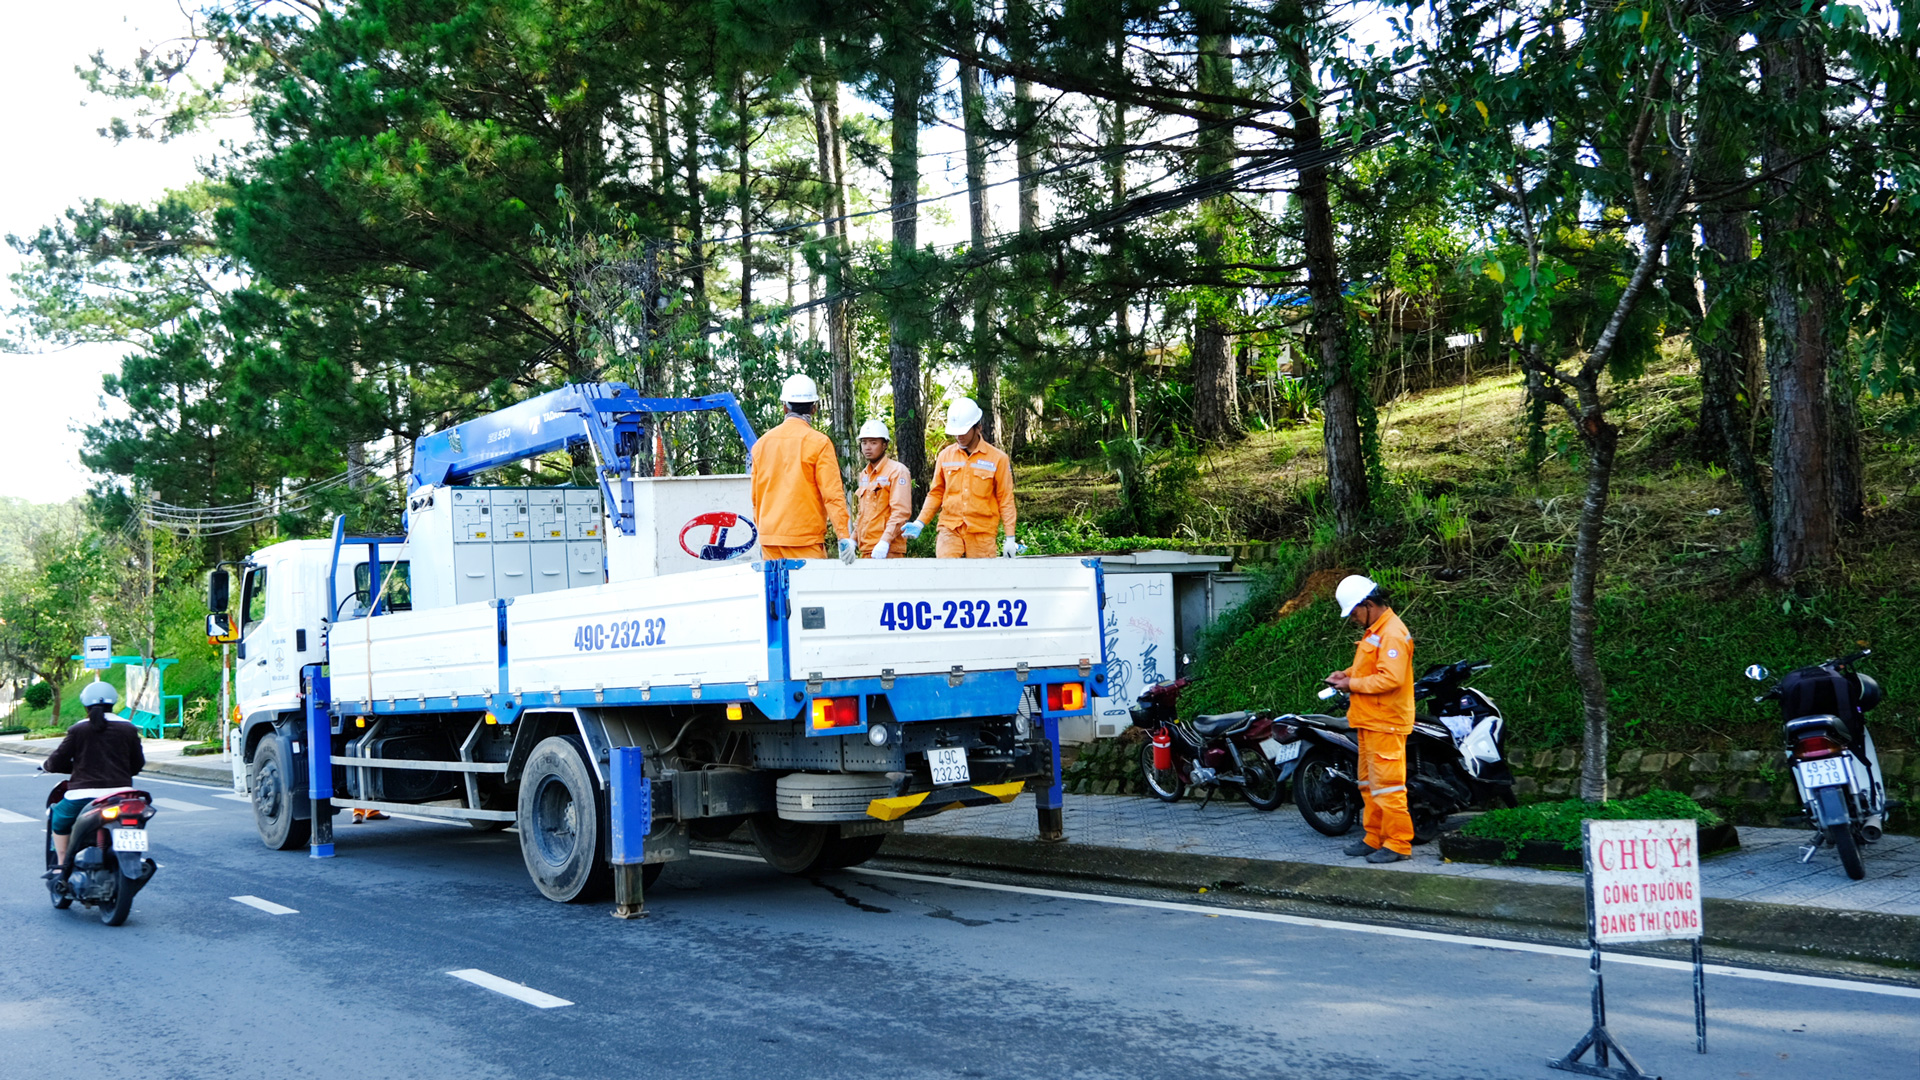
[616,670]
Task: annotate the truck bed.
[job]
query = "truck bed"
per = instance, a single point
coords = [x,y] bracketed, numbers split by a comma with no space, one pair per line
[748,628]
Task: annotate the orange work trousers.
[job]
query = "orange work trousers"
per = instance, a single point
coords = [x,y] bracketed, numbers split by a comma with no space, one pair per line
[950,544]
[1383,790]
[811,551]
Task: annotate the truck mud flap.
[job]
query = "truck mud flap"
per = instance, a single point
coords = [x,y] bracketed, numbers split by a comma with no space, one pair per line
[921,804]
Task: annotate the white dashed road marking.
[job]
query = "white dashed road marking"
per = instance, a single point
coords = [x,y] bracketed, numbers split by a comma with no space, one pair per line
[235,796]
[180,806]
[8,817]
[511,989]
[267,906]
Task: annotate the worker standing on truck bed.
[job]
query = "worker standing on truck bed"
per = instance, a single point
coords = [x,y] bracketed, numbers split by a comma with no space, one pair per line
[972,492]
[796,483]
[885,495]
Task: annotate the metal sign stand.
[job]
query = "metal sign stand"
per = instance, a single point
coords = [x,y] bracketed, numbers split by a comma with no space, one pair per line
[1598,1038]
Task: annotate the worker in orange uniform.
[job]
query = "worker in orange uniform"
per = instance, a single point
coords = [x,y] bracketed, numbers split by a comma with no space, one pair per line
[1379,686]
[972,492]
[796,483]
[884,497]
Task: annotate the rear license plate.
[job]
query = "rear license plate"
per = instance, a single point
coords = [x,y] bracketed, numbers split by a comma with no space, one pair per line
[949,765]
[1825,772]
[1278,752]
[129,839]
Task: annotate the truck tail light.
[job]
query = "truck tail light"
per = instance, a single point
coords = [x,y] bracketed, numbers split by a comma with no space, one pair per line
[1066,697]
[833,712]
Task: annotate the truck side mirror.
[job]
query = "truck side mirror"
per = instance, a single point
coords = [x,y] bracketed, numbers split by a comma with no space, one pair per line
[220,629]
[219,586]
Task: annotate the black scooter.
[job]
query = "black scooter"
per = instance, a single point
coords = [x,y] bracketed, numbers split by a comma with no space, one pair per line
[1456,756]
[1823,709]
[106,865]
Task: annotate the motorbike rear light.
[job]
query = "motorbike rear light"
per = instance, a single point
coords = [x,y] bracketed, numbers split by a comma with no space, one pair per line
[833,712]
[1814,747]
[1285,733]
[1066,697]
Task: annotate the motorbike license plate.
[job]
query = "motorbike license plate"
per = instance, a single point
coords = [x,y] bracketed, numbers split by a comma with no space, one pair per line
[1278,752]
[130,839]
[1824,772]
[948,765]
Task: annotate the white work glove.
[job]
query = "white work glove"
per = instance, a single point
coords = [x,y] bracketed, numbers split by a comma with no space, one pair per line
[847,552]
[911,530]
[1012,548]
[880,550]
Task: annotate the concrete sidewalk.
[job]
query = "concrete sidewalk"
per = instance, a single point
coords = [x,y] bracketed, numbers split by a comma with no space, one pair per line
[163,758]
[1766,868]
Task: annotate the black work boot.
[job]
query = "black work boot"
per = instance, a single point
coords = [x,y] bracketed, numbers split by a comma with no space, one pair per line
[1357,849]
[1386,855]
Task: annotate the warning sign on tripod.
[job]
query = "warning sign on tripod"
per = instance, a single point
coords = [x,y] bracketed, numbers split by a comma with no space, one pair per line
[1643,884]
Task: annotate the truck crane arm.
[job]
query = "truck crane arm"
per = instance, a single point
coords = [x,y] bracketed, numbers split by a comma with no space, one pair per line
[611,418]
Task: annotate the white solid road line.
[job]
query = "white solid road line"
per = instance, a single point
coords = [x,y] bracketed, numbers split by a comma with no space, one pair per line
[267,906]
[8,817]
[511,989]
[235,796]
[1368,928]
[181,805]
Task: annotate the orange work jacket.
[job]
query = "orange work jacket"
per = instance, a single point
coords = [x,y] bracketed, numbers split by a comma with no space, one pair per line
[796,486]
[1380,686]
[972,492]
[885,503]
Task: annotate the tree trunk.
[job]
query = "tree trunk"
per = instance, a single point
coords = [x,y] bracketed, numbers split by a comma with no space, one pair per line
[1799,303]
[986,362]
[1601,439]
[1124,359]
[903,348]
[1341,394]
[696,255]
[826,127]
[1216,392]
[743,143]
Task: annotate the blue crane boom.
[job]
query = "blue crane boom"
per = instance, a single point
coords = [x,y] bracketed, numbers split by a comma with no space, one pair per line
[612,418]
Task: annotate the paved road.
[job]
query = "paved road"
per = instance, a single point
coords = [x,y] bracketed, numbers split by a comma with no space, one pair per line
[740,972]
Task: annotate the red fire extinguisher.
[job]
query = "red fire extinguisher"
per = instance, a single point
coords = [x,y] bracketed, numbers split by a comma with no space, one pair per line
[1162,748]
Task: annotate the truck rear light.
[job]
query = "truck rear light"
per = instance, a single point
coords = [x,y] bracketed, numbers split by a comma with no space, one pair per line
[1066,697]
[1814,747]
[833,712]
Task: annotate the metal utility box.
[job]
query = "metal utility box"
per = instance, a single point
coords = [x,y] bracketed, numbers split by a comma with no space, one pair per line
[473,544]
[685,523]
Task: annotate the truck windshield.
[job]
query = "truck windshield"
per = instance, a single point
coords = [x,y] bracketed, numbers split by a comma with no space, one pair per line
[399,593]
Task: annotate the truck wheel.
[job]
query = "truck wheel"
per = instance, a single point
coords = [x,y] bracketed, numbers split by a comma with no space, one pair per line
[274,796]
[791,847]
[563,825]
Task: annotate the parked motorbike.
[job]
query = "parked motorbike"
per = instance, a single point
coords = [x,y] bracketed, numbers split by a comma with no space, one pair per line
[1456,756]
[1823,709]
[1235,749]
[106,860]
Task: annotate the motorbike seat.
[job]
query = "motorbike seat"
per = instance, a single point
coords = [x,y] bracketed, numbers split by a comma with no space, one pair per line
[1820,723]
[1221,723]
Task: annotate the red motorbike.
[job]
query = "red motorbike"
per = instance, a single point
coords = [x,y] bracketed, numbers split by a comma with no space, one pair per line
[1234,749]
[106,859]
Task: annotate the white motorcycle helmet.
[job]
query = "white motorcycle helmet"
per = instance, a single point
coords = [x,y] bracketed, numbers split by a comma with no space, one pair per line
[99,693]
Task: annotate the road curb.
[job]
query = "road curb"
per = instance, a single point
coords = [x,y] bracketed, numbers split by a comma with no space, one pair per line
[173,769]
[1742,924]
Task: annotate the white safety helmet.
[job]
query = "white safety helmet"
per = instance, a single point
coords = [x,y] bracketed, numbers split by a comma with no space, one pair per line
[99,693]
[961,416]
[1352,589]
[874,429]
[799,388]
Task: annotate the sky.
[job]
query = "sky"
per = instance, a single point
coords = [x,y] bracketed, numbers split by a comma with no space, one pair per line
[58,160]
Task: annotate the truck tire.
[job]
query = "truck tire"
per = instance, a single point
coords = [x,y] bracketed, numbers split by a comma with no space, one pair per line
[791,847]
[274,795]
[563,824]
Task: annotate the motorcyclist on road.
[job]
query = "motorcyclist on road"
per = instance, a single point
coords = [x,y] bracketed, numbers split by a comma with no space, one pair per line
[103,755]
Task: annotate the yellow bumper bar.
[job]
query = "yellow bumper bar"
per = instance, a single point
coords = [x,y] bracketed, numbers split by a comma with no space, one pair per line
[926,803]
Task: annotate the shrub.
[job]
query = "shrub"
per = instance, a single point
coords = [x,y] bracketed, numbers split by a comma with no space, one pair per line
[39,695]
[1559,822]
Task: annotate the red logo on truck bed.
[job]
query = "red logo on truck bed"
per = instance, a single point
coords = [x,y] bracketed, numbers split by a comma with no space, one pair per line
[721,526]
